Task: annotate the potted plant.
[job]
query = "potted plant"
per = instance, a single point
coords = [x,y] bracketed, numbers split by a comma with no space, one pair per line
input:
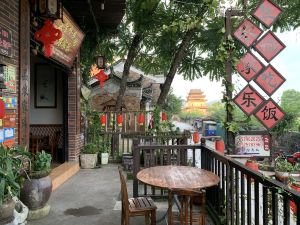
[282,169]
[295,173]
[104,149]
[88,156]
[37,188]
[10,178]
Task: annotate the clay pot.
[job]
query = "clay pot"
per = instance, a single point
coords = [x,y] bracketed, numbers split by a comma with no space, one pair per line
[7,211]
[252,165]
[282,176]
[196,137]
[35,193]
[220,146]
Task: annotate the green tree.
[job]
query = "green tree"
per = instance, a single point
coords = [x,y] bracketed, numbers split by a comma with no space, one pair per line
[290,101]
[173,103]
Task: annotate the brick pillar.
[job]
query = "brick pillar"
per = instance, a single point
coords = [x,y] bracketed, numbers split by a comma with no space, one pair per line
[75,142]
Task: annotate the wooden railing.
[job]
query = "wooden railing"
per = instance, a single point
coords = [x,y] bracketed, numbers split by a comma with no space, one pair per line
[243,196]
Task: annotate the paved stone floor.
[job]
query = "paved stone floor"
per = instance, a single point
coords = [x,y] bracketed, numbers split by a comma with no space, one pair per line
[91,197]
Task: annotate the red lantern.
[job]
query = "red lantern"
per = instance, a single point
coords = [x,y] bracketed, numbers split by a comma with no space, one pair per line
[2,107]
[292,203]
[163,116]
[141,119]
[101,77]
[103,120]
[48,34]
[120,120]
[196,137]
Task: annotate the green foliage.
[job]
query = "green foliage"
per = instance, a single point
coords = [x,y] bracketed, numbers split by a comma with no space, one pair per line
[282,165]
[104,146]
[290,102]
[90,148]
[42,162]
[173,104]
[285,125]
[10,167]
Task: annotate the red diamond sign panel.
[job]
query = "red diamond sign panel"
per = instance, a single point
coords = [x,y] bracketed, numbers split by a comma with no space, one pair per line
[269,80]
[247,32]
[249,66]
[269,46]
[270,114]
[248,100]
[267,13]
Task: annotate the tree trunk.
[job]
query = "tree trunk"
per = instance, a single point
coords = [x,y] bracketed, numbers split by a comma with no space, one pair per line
[180,54]
[133,50]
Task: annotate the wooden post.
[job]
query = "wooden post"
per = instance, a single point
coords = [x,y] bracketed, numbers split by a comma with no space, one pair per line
[136,165]
[24,87]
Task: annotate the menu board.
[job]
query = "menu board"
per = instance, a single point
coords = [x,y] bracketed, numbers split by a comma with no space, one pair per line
[10,73]
[66,48]
[252,144]
[5,42]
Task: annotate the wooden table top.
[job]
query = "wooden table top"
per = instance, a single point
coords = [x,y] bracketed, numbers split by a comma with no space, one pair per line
[178,177]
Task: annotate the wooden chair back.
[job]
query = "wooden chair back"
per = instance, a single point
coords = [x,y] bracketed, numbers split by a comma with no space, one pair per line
[124,193]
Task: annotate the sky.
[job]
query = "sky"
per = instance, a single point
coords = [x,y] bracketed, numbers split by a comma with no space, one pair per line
[287,63]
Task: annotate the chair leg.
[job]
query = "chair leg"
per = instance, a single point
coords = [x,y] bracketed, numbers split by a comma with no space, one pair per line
[122,216]
[126,219]
[147,218]
[191,210]
[153,217]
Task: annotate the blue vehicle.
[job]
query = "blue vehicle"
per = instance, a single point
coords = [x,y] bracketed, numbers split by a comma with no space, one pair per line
[209,128]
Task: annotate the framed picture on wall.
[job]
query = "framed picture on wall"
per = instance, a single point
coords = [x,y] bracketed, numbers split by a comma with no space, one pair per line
[45,86]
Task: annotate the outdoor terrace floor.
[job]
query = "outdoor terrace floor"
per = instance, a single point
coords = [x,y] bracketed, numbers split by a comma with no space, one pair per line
[92,197]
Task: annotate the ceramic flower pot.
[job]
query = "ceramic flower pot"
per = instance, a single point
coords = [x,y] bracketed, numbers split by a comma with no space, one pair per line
[282,176]
[104,158]
[7,211]
[88,161]
[35,193]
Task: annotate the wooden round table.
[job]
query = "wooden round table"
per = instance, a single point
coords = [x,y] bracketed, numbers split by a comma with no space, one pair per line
[184,178]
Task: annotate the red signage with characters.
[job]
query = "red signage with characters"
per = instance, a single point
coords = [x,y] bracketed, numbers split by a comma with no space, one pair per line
[5,42]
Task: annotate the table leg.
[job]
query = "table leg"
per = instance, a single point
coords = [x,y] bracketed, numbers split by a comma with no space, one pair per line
[170,203]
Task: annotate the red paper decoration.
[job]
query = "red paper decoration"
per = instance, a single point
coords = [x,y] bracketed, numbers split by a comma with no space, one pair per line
[101,77]
[48,34]
[120,120]
[2,107]
[141,119]
[103,120]
[163,116]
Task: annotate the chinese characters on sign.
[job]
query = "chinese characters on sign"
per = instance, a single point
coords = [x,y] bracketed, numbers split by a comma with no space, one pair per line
[269,46]
[247,33]
[270,80]
[267,13]
[249,66]
[248,100]
[5,42]
[252,144]
[10,73]
[270,114]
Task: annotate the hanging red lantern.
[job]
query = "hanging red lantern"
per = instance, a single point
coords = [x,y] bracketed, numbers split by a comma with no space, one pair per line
[48,35]
[103,120]
[196,137]
[101,77]
[120,120]
[141,119]
[163,116]
[2,108]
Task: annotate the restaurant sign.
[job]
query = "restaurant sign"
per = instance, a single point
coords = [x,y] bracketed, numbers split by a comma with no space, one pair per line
[252,144]
[5,42]
[66,48]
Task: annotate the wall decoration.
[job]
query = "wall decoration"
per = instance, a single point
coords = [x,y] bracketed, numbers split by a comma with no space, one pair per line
[45,86]
[10,102]
[5,42]
[9,119]
[1,135]
[9,133]
[10,73]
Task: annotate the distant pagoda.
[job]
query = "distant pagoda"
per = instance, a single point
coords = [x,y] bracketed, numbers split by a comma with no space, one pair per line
[196,102]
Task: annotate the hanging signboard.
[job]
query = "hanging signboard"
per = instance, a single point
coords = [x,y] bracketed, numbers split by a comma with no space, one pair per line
[269,80]
[254,144]
[5,42]
[66,48]
[248,100]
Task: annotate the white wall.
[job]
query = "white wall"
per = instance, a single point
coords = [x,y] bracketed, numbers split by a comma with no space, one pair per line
[46,115]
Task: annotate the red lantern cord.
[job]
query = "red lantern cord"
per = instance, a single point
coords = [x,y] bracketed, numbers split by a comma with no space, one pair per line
[101,77]
[163,116]
[141,119]
[102,120]
[48,35]
[120,120]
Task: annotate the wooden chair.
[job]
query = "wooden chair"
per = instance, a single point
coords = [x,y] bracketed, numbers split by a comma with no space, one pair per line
[141,206]
[186,214]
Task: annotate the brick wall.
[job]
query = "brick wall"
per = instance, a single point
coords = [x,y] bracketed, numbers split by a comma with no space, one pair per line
[9,19]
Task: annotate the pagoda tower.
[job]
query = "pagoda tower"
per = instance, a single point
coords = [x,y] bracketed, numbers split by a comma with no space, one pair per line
[196,102]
